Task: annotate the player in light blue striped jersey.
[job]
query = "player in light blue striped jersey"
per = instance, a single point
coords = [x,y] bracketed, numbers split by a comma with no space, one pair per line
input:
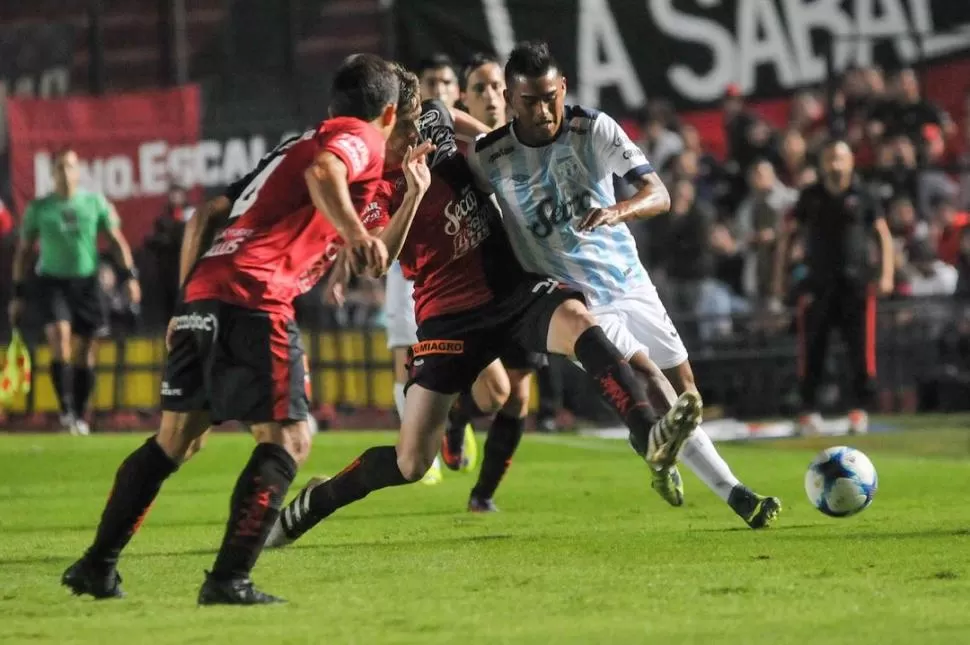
[551,170]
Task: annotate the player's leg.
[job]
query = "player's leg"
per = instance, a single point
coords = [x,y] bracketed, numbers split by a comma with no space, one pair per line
[56,316]
[89,323]
[858,327]
[812,325]
[84,352]
[257,374]
[281,447]
[402,332]
[425,412]
[573,331]
[136,484]
[504,434]
[487,395]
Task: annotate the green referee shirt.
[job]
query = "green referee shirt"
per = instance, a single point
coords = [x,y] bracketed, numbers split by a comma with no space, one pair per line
[68,232]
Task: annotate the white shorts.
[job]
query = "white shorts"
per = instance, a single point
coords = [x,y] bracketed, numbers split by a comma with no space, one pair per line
[402,330]
[638,321]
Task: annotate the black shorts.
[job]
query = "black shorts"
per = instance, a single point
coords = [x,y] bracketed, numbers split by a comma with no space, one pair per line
[76,300]
[240,364]
[453,349]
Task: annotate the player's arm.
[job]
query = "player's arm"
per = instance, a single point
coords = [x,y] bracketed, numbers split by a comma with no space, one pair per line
[619,156]
[209,216]
[121,251]
[18,272]
[650,199]
[328,180]
[418,177]
[467,127]
[887,278]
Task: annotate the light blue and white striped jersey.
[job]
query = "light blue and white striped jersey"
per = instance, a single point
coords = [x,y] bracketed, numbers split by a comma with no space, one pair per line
[546,191]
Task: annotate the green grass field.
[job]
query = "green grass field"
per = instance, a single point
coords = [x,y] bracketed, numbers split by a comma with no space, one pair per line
[583,552]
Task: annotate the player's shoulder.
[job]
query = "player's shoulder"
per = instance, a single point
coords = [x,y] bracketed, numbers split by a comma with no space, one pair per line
[90,197]
[582,120]
[493,138]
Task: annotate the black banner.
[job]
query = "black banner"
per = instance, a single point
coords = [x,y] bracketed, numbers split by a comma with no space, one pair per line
[618,53]
[35,60]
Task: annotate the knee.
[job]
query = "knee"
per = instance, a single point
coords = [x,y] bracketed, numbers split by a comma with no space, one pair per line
[496,395]
[412,464]
[572,320]
[517,404]
[296,441]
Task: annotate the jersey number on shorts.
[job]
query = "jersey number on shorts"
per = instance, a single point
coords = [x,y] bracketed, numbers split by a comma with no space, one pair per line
[270,161]
[548,285]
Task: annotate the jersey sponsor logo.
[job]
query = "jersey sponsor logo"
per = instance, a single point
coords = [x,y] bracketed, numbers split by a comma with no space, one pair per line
[195,322]
[355,149]
[312,275]
[567,170]
[466,223]
[447,347]
[633,153]
[552,213]
[228,242]
[372,214]
[501,152]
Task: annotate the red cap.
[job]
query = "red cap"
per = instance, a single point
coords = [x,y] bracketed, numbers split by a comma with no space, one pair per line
[732,91]
[932,132]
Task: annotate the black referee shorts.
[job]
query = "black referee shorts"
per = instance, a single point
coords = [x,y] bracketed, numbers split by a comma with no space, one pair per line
[78,301]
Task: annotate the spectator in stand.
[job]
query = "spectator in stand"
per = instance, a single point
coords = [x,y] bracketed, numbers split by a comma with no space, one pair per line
[737,121]
[927,274]
[935,183]
[963,163]
[950,225]
[796,170]
[660,143]
[896,173]
[439,79]
[963,266]
[807,116]
[164,246]
[756,228]
[904,222]
[907,112]
[687,166]
[689,257]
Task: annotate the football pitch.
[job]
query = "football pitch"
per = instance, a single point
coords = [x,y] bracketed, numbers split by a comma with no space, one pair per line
[582,552]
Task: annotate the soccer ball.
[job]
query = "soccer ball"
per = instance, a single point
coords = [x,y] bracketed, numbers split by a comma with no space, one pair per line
[841,481]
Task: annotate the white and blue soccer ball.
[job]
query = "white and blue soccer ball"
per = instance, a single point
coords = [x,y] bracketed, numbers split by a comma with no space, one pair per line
[841,481]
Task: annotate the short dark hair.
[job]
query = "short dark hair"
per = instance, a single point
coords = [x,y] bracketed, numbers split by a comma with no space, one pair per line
[63,151]
[435,61]
[473,63]
[531,59]
[363,85]
[409,95]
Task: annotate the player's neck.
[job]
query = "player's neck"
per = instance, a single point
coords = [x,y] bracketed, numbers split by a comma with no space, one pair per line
[65,192]
[530,141]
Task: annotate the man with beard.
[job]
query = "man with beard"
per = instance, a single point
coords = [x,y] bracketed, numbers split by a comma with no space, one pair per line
[836,218]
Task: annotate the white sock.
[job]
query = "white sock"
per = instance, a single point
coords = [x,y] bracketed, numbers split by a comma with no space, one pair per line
[399,399]
[702,458]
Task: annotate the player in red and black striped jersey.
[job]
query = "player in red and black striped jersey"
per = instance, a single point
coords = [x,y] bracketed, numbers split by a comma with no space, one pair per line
[234,349]
[474,300]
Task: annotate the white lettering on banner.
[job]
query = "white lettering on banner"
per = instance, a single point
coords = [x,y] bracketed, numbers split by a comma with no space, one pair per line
[757,18]
[598,30]
[760,37]
[157,165]
[697,86]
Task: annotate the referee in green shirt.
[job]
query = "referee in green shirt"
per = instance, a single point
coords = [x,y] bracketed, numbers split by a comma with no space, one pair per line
[66,224]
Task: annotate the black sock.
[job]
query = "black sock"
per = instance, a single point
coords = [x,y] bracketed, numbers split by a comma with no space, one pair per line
[83,385]
[503,438]
[62,376]
[617,382]
[254,507]
[137,482]
[375,469]
[461,414]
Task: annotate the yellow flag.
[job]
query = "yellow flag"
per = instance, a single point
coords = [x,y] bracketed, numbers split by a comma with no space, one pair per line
[16,376]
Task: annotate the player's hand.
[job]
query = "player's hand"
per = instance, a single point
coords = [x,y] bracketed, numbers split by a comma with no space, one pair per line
[134,291]
[368,253]
[14,310]
[597,217]
[169,332]
[415,167]
[333,290]
[887,285]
